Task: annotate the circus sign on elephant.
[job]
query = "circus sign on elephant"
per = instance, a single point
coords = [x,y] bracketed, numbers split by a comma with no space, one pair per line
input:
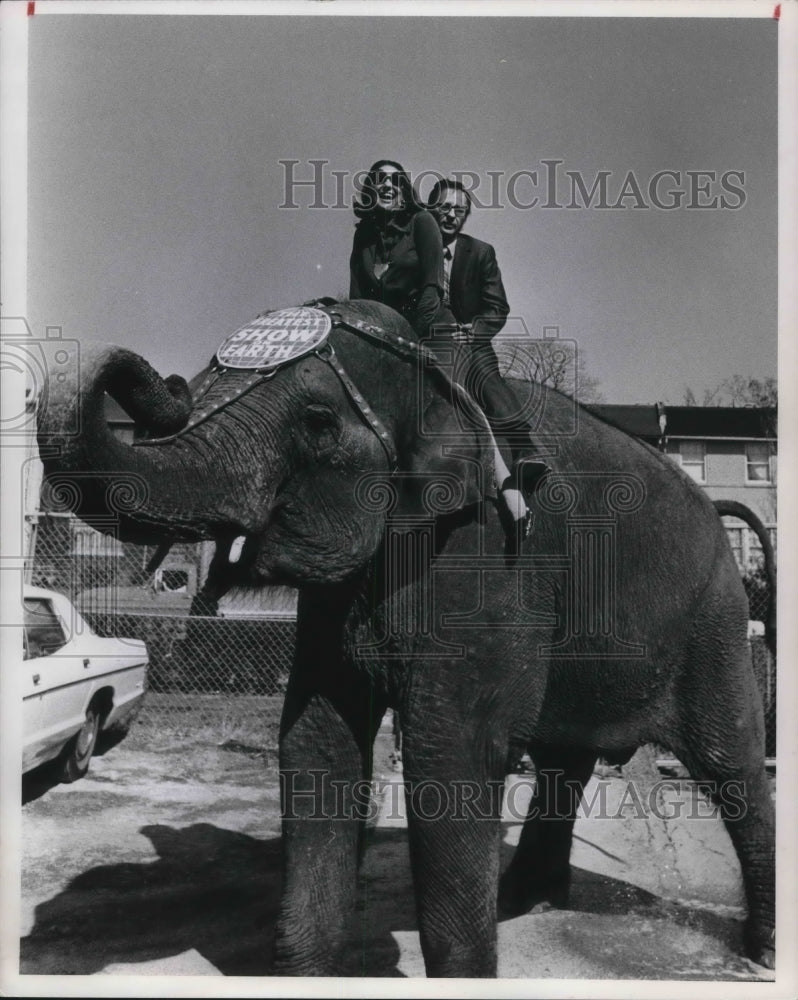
[274,338]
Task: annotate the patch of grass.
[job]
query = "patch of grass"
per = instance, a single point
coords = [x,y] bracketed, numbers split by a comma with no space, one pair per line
[169,721]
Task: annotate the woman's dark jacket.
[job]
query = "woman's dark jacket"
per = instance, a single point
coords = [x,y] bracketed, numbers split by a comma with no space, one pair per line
[412,284]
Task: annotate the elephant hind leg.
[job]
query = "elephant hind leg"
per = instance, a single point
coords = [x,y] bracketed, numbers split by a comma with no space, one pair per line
[724,745]
[540,871]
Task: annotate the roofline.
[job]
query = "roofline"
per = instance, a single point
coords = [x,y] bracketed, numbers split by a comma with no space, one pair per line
[714,437]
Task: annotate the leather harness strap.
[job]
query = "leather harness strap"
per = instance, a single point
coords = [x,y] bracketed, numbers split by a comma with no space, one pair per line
[326,353]
[402,346]
[414,351]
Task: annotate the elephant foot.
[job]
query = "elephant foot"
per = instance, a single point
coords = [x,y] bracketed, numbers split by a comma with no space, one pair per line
[305,966]
[445,959]
[760,946]
[518,896]
[766,957]
[301,952]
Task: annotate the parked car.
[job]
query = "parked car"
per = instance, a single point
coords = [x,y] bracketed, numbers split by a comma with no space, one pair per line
[77,684]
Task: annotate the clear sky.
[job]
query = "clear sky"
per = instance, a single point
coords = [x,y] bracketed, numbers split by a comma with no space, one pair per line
[155,181]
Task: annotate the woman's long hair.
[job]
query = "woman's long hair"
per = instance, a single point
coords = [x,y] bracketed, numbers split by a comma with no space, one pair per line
[366,200]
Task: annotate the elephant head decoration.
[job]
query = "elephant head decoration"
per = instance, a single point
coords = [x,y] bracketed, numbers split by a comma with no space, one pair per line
[354,472]
[271,456]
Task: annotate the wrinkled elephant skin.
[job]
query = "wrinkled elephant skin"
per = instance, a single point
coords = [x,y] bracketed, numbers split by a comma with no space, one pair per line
[622,623]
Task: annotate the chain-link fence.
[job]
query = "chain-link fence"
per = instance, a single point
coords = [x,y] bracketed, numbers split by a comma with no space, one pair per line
[757,587]
[244,651]
[209,655]
[765,673]
[243,654]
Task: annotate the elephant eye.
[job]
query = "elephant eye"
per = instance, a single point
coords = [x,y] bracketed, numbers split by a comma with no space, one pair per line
[320,418]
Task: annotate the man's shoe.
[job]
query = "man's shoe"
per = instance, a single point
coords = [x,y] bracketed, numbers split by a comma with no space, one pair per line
[528,474]
[525,526]
[517,534]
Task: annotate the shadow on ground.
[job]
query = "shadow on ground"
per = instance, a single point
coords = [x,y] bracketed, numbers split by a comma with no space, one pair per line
[217,891]
[210,889]
[603,895]
[40,780]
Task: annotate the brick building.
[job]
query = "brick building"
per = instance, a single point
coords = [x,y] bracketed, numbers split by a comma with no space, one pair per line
[730,452]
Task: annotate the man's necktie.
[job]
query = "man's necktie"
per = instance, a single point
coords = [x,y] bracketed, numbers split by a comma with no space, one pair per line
[447,263]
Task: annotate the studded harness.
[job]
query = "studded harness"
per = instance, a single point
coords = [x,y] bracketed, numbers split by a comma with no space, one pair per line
[402,346]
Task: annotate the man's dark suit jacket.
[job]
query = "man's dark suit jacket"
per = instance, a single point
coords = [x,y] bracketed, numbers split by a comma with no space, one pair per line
[476,292]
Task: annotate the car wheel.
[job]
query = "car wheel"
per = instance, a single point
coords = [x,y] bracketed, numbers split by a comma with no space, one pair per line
[80,748]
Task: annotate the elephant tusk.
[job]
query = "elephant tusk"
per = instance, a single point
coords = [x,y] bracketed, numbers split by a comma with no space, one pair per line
[235,549]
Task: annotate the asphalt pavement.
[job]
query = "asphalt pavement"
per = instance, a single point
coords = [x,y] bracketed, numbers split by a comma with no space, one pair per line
[167,863]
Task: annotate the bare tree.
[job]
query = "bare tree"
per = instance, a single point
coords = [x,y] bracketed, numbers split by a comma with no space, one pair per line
[554,363]
[738,390]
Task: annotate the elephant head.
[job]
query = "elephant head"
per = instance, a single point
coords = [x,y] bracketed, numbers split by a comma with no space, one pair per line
[288,462]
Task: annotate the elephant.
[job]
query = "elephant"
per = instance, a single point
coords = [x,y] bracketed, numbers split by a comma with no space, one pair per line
[358,473]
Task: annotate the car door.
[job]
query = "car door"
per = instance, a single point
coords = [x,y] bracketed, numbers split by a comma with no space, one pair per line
[55,683]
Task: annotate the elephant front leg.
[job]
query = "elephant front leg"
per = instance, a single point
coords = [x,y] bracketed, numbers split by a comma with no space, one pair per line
[454,831]
[325,769]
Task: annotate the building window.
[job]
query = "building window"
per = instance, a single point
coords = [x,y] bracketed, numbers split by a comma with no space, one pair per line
[735,536]
[757,462]
[746,547]
[693,456]
[755,557]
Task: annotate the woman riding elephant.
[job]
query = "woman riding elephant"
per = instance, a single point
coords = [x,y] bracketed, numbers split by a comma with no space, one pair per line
[397,253]
[626,626]
[397,259]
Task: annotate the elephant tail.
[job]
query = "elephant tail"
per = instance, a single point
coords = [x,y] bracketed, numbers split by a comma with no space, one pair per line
[731,508]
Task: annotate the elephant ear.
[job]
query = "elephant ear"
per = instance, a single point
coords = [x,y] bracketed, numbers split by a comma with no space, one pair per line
[447,464]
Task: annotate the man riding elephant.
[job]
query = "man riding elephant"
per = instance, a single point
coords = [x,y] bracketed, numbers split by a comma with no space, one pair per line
[474,292]
[328,439]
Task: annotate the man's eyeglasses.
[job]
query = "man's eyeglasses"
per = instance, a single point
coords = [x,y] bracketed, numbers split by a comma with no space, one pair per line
[457,210]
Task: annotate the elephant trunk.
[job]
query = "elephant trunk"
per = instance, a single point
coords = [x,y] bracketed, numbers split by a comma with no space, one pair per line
[142,494]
